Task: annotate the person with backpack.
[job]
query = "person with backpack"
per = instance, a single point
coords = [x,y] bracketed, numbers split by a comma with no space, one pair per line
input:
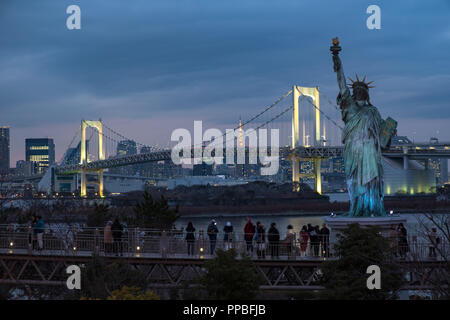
[249,233]
[212,232]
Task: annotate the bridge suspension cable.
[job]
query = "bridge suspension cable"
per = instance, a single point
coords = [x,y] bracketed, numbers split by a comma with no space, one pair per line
[257,116]
[324,114]
[70,144]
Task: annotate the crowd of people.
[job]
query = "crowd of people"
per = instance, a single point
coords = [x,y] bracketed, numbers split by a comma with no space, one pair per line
[310,241]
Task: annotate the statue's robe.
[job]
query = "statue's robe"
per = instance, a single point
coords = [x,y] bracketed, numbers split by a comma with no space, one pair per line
[362,156]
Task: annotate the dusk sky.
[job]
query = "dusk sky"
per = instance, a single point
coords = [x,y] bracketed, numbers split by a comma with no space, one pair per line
[147,67]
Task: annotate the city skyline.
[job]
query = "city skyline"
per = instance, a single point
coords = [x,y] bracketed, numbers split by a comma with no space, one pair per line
[149,68]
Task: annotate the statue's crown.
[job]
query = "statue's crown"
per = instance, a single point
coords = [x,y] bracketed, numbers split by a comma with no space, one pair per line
[360,83]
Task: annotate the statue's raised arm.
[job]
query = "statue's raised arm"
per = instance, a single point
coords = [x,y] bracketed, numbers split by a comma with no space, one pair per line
[335,48]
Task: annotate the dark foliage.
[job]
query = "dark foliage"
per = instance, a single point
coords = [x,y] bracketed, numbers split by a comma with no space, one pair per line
[346,278]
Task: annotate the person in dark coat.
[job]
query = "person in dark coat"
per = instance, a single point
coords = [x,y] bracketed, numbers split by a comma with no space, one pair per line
[117,230]
[190,238]
[212,232]
[228,235]
[402,240]
[260,240]
[249,233]
[273,235]
[325,240]
[314,237]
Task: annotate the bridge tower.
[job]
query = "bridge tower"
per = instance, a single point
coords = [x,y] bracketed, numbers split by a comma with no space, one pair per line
[84,159]
[313,93]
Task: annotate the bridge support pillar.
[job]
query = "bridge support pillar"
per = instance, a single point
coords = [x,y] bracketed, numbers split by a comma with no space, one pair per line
[317,175]
[83,192]
[84,158]
[313,93]
[443,168]
[100,183]
[296,172]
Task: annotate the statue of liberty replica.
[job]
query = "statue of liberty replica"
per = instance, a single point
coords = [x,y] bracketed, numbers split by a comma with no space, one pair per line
[364,136]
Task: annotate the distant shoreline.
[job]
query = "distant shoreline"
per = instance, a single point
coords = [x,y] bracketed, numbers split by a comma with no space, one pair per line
[291,213]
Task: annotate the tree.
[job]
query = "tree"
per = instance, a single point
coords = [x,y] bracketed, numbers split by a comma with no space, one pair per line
[99,278]
[438,278]
[99,216]
[346,277]
[228,278]
[155,214]
[132,293]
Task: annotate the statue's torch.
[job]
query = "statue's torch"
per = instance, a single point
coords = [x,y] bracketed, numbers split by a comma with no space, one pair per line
[335,49]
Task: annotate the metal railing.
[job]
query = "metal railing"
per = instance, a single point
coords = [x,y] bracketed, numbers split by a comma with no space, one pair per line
[141,242]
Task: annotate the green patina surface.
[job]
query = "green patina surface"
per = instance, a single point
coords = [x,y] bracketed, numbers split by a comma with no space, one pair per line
[364,135]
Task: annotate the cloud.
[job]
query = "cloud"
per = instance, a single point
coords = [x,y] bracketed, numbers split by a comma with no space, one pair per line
[145,60]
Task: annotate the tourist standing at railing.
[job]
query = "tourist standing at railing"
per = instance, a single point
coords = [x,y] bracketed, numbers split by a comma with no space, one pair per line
[304,238]
[212,232]
[117,230]
[260,240]
[273,236]
[393,239]
[289,240]
[402,240]
[38,231]
[108,238]
[228,236]
[433,243]
[32,241]
[249,233]
[190,238]
[325,240]
[314,238]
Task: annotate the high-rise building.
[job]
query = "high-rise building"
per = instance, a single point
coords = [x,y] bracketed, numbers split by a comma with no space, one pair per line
[126,148]
[337,165]
[4,149]
[147,169]
[41,151]
[26,168]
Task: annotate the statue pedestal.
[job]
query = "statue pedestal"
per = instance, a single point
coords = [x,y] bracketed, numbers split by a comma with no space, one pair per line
[336,224]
